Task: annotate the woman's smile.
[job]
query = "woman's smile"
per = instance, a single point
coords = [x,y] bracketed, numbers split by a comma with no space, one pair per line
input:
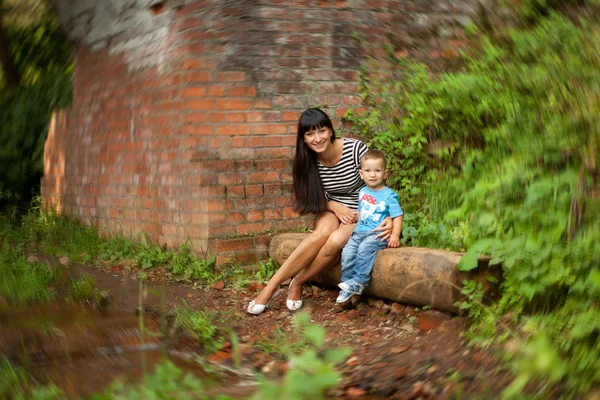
[318,139]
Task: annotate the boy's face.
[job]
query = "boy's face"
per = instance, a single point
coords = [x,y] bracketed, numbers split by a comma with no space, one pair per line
[373,172]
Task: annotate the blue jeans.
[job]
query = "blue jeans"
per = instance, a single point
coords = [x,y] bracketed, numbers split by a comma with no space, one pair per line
[358,256]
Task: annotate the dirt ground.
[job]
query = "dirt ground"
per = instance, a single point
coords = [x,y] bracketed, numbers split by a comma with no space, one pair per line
[391,357]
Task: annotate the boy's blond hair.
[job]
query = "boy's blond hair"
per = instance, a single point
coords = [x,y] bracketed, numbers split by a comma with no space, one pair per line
[374,155]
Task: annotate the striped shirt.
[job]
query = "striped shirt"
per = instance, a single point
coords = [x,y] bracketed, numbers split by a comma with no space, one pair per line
[342,181]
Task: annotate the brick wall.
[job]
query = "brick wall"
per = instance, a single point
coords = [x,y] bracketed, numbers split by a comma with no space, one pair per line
[184,127]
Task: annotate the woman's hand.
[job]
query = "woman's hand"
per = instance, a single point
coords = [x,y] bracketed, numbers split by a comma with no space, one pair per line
[385,228]
[344,214]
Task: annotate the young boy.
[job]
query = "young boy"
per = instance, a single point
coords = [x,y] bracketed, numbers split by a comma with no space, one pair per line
[375,202]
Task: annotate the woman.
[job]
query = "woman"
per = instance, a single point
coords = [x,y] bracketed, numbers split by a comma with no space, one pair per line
[326,183]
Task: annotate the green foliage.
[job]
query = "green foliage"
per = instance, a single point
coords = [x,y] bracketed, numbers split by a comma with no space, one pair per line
[43,58]
[22,281]
[281,344]
[84,290]
[57,235]
[198,325]
[502,159]
[16,384]
[166,382]
[266,269]
[312,371]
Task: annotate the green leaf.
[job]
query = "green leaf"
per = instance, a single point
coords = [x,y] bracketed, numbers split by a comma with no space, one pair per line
[316,334]
[468,262]
[595,277]
[337,356]
[492,279]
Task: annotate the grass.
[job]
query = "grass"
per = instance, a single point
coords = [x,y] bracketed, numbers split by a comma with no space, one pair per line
[17,384]
[84,290]
[22,281]
[266,269]
[282,343]
[198,325]
[50,233]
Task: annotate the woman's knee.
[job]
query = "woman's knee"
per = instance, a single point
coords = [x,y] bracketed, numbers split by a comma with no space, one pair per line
[336,241]
[324,230]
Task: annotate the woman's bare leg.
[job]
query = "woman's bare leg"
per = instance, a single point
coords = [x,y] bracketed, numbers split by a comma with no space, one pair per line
[327,256]
[302,257]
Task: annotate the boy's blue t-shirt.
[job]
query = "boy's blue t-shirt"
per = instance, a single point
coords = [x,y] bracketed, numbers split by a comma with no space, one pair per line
[375,205]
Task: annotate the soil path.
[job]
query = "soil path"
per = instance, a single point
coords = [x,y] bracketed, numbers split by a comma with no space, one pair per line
[391,357]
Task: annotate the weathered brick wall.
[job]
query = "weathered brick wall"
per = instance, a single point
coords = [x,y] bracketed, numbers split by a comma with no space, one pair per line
[184,113]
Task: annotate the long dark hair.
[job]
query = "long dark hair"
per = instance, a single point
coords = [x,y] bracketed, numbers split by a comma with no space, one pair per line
[309,195]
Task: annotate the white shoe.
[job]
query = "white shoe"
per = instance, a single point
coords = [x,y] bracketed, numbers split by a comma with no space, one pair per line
[293,305]
[257,309]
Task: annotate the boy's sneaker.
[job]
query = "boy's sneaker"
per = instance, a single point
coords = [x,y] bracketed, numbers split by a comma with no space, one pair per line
[351,286]
[343,297]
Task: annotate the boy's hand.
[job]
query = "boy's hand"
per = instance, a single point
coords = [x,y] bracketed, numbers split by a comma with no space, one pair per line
[394,241]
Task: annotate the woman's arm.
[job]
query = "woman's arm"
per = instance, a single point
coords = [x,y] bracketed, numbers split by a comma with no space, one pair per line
[385,228]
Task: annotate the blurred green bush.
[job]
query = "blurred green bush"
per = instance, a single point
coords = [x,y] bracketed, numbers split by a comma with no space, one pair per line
[502,158]
[42,57]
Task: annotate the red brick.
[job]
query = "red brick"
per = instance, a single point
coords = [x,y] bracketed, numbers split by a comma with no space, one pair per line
[235,191]
[229,178]
[222,259]
[198,91]
[236,117]
[272,214]
[254,116]
[233,104]
[215,206]
[277,129]
[216,117]
[272,116]
[220,231]
[289,212]
[273,152]
[219,142]
[199,218]
[199,129]
[196,117]
[231,76]
[264,104]
[201,104]
[238,142]
[238,91]
[273,188]
[235,216]
[199,77]
[277,164]
[254,215]
[273,141]
[254,190]
[222,245]
[254,141]
[255,227]
[232,130]
[194,64]
[263,177]
[289,116]
[216,90]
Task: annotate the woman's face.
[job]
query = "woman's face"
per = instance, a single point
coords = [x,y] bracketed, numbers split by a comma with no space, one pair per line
[318,139]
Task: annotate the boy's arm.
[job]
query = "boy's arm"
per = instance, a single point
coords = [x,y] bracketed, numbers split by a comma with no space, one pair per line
[396,230]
